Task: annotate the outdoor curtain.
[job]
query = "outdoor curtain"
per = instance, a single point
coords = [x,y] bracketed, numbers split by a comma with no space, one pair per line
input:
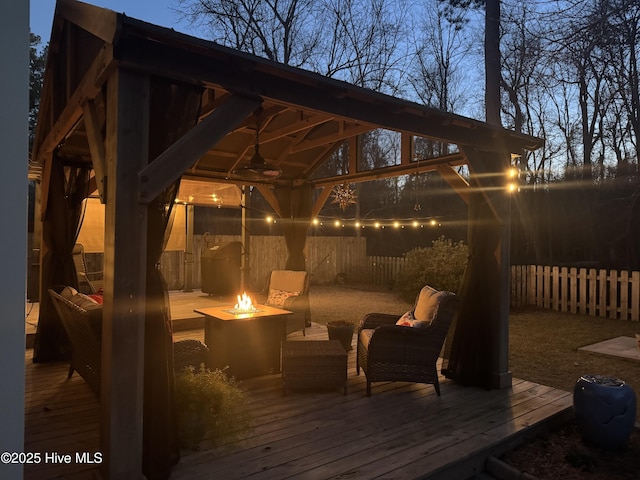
[472,349]
[174,110]
[295,209]
[60,228]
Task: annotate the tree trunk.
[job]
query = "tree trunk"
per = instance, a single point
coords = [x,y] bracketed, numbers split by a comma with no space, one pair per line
[492,62]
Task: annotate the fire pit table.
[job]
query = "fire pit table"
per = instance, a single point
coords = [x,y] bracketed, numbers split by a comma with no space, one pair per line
[247,344]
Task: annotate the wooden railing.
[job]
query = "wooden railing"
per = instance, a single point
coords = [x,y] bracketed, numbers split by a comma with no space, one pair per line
[602,293]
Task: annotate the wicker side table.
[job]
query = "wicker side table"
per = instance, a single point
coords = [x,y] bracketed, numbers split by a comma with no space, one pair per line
[313,364]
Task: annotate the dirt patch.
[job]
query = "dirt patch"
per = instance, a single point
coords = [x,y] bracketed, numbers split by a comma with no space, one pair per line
[563,454]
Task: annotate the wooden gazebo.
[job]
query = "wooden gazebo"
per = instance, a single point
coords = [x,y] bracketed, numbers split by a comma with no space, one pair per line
[129,108]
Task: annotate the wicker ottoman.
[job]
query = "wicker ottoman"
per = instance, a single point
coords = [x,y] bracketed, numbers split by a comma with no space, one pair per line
[313,364]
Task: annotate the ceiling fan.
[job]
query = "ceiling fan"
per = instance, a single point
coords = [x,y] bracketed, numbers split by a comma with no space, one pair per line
[258,167]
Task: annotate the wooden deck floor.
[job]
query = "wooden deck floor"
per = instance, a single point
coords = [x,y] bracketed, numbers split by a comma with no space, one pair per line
[403,431]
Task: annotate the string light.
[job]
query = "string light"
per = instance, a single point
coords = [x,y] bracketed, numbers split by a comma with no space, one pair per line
[370,223]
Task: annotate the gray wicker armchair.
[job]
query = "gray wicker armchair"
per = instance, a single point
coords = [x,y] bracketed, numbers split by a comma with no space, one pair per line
[390,352]
[83,324]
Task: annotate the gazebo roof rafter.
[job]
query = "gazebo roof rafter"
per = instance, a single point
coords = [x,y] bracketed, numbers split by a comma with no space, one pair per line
[305,116]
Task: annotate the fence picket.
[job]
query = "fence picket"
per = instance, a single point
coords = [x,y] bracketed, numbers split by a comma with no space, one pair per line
[531,285]
[592,292]
[546,301]
[635,296]
[555,292]
[582,291]
[573,290]
[613,294]
[564,288]
[539,281]
[602,297]
[623,280]
[592,295]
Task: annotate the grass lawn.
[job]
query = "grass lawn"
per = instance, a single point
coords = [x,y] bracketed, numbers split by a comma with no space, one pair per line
[544,348]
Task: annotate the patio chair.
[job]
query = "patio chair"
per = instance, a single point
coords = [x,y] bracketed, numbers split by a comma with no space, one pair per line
[86,279]
[82,321]
[407,348]
[289,290]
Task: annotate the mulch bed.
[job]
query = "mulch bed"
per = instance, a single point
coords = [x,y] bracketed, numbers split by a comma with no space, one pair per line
[562,454]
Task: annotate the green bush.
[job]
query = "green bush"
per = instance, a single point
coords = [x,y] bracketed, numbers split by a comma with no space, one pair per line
[209,403]
[440,266]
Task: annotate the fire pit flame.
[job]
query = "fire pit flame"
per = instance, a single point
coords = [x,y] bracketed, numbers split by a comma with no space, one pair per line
[244,305]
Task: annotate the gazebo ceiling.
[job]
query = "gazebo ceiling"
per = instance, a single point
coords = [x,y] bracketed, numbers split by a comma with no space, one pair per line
[304,117]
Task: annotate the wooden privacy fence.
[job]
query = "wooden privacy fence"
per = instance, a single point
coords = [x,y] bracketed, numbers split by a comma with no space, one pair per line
[384,270]
[602,293]
[326,258]
[329,260]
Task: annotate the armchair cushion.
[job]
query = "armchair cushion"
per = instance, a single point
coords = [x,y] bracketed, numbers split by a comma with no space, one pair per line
[408,320]
[427,303]
[365,336]
[83,301]
[289,290]
[277,297]
[288,280]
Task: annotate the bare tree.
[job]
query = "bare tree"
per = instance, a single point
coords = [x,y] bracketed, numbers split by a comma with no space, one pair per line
[285,31]
[455,12]
[364,43]
[436,72]
[623,116]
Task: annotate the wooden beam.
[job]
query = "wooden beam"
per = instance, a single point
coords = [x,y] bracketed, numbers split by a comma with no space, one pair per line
[87,89]
[489,180]
[270,197]
[44,182]
[455,180]
[96,147]
[293,87]
[334,137]
[321,200]
[406,148]
[302,125]
[428,165]
[354,153]
[100,22]
[125,253]
[174,161]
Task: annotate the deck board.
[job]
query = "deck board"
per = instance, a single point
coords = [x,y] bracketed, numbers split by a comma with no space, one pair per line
[403,430]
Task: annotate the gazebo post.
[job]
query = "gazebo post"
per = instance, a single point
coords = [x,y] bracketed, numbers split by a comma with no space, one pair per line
[127,137]
[478,352]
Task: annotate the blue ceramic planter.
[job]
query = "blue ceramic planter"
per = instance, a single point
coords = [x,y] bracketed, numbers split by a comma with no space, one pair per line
[605,410]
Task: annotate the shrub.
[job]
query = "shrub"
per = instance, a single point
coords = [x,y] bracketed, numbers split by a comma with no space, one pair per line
[209,403]
[440,266]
